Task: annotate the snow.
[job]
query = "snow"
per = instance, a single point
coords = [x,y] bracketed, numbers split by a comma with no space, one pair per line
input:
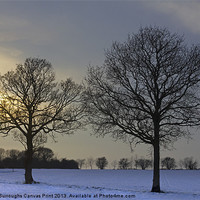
[99,184]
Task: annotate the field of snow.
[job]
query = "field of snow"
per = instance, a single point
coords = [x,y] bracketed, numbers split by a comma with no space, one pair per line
[99,185]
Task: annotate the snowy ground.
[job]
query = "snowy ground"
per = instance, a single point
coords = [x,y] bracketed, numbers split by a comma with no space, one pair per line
[99,185]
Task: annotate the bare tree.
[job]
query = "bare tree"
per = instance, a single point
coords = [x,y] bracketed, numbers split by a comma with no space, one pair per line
[33,105]
[143,163]
[101,163]
[189,163]
[135,161]
[131,161]
[90,162]
[181,164]
[124,163]
[2,153]
[44,154]
[146,91]
[114,164]
[80,162]
[169,163]
[13,154]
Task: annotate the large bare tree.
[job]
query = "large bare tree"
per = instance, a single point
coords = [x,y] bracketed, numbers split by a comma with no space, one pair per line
[146,91]
[33,105]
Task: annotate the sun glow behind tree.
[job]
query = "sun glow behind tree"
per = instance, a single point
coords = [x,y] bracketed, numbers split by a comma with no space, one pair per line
[35,105]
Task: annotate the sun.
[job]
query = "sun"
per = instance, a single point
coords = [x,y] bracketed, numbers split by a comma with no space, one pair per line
[3,98]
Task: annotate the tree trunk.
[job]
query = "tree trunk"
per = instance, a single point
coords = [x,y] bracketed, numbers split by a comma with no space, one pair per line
[156,148]
[28,161]
[156,167]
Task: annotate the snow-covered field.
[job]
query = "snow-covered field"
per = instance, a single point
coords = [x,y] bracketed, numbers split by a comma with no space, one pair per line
[99,185]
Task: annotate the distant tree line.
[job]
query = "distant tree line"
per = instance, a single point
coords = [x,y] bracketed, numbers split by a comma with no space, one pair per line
[42,158]
[168,163]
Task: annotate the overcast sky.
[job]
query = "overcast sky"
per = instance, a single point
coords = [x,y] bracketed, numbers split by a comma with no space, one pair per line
[72,35]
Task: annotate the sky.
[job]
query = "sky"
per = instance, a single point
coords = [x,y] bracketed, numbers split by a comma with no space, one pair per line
[75,34]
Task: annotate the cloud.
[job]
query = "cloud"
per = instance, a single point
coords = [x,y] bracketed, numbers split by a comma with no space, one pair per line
[10,28]
[14,28]
[187,13]
[10,22]
[10,51]
[9,57]
[8,37]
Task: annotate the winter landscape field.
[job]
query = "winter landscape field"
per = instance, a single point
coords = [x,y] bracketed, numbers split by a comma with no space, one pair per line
[99,184]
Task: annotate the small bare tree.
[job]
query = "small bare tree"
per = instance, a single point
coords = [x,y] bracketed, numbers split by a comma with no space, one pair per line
[2,153]
[143,163]
[114,164]
[101,163]
[181,164]
[33,105]
[189,163]
[90,162]
[146,91]
[131,161]
[81,163]
[169,163]
[124,163]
